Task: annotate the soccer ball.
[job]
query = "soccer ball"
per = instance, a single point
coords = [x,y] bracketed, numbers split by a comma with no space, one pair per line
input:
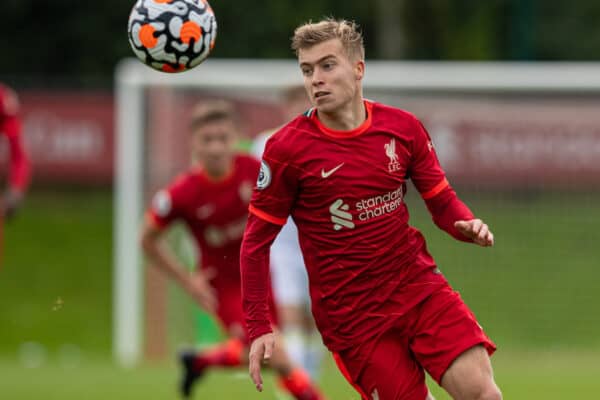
[172,35]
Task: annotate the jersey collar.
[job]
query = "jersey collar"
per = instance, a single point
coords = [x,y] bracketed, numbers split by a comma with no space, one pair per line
[312,114]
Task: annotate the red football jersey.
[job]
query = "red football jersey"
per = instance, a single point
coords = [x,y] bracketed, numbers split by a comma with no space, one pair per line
[215,213]
[345,190]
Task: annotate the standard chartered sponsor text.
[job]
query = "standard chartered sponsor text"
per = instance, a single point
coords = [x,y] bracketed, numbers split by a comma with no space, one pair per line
[379,205]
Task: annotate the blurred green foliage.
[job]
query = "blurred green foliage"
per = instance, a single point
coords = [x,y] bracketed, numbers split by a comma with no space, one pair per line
[78,43]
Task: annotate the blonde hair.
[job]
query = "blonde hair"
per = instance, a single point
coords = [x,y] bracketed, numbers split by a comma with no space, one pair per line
[311,34]
[210,111]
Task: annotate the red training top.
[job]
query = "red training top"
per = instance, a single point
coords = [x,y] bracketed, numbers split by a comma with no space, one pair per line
[215,213]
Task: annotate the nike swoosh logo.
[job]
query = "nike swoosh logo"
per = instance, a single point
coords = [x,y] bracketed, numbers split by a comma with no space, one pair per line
[326,174]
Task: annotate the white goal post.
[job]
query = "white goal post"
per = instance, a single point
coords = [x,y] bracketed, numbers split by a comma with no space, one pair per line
[133,79]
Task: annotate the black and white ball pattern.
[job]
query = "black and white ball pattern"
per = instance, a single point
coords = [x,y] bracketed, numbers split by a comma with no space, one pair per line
[172,35]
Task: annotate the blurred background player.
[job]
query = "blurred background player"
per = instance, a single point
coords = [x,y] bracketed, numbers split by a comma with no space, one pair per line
[18,177]
[288,274]
[212,200]
[19,169]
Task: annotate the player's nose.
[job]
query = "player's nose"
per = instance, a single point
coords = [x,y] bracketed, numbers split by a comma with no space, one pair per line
[316,79]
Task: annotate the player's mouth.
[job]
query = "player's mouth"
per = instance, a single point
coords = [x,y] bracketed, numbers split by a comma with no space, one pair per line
[320,94]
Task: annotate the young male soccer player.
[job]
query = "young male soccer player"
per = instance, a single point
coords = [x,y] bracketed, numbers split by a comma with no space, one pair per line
[19,175]
[18,179]
[212,200]
[381,305]
[290,282]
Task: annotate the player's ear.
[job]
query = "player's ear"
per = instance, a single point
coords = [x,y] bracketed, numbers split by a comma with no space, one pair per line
[359,69]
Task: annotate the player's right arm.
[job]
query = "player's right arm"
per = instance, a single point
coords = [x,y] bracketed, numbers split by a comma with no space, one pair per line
[258,237]
[270,206]
[161,256]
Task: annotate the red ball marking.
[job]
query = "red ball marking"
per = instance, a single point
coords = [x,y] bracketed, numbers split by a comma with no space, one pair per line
[190,30]
[168,68]
[146,36]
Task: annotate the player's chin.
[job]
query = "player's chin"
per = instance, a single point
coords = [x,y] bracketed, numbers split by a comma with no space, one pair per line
[325,106]
[216,167]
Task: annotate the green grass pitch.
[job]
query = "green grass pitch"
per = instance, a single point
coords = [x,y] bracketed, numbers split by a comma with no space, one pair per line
[535,292]
[550,375]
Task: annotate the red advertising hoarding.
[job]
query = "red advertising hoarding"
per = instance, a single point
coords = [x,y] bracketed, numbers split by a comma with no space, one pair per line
[515,142]
[486,141]
[69,136]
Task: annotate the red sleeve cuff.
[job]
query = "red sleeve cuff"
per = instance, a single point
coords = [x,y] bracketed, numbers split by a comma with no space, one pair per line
[254,334]
[446,208]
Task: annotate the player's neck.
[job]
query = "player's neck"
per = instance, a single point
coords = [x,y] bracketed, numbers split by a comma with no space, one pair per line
[218,175]
[347,118]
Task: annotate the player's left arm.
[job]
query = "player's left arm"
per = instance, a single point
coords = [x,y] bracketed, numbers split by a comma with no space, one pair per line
[448,211]
[453,216]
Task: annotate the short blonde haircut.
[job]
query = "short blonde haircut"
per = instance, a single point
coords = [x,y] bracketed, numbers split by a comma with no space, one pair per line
[311,34]
[210,111]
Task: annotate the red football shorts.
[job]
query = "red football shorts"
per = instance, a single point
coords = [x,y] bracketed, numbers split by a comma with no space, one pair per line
[429,337]
[229,311]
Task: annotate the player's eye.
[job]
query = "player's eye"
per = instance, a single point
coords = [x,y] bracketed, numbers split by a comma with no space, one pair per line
[306,71]
[328,65]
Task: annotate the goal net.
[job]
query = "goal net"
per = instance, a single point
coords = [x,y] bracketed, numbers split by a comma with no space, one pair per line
[520,142]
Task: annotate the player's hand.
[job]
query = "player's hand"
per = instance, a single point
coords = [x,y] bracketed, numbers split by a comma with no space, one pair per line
[202,291]
[476,230]
[260,350]
[10,203]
